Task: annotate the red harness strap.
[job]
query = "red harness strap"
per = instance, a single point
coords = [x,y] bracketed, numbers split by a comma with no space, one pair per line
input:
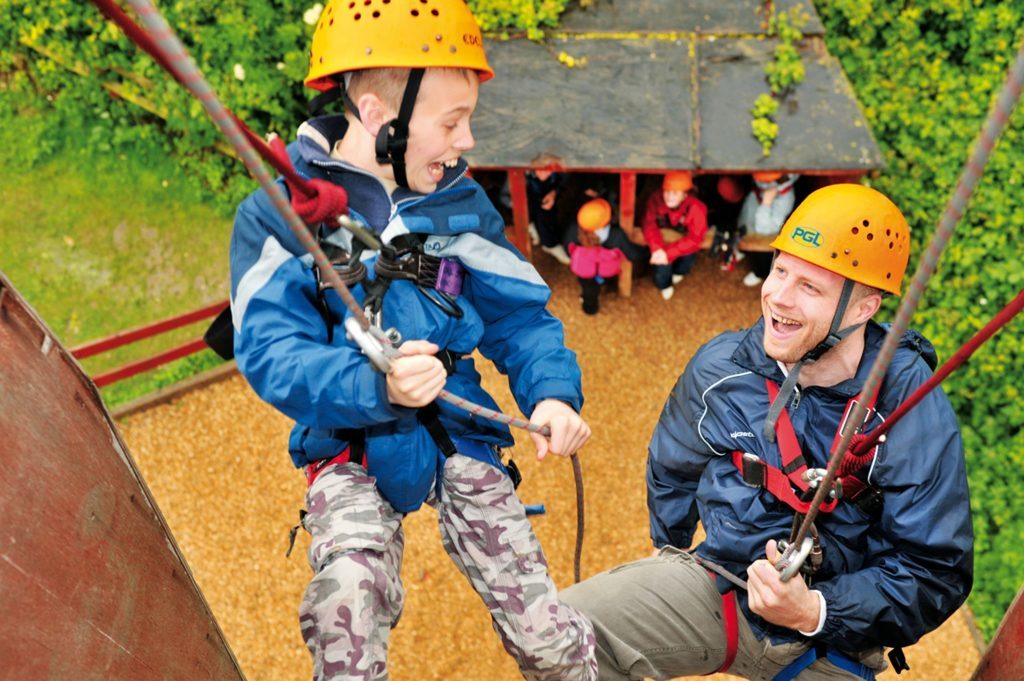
[314,470]
[732,628]
[781,482]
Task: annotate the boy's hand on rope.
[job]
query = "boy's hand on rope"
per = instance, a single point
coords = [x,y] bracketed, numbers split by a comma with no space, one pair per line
[569,431]
[417,377]
[788,604]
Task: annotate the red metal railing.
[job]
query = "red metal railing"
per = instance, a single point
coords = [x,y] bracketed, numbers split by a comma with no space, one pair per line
[122,338]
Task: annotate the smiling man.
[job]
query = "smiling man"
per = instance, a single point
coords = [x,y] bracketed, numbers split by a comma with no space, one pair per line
[751,418]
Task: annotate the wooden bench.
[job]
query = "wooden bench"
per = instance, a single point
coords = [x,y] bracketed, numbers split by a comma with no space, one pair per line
[754,242]
[757,243]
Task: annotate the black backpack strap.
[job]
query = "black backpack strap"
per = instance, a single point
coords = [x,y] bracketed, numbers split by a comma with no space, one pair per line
[220,337]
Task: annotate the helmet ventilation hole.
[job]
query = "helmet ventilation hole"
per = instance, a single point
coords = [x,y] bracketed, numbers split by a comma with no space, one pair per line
[855,263]
[870,236]
[435,12]
[376,13]
[855,230]
[358,16]
[834,255]
[866,223]
[414,12]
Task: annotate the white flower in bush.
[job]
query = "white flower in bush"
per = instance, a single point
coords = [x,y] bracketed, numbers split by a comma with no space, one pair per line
[239,72]
[312,14]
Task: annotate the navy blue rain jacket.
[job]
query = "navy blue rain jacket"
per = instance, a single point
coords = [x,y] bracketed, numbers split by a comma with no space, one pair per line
[887,580]
[281,338]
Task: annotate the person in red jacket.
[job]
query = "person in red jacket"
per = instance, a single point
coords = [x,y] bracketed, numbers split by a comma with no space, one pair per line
[675,222]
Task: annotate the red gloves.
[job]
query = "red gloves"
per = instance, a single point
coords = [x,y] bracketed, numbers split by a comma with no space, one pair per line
[314,200]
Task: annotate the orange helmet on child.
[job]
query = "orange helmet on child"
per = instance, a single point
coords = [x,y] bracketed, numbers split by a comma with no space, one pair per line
[677,181]
[768,176]
[390,34]
[394,34]
[594,214]
[852,230]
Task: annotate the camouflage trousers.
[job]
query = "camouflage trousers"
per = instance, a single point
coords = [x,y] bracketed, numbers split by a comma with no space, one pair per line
[356,595]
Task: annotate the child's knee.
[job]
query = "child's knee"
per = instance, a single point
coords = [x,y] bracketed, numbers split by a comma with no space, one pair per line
[354,590]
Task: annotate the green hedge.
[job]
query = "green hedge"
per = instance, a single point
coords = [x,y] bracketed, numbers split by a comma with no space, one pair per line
[253,52]
[926,75]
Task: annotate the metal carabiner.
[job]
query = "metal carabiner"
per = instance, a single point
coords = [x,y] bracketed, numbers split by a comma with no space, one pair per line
[379,346]
[790,564]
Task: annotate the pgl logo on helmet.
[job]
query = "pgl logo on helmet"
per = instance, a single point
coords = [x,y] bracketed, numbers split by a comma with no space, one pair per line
[806,236]
[473,40]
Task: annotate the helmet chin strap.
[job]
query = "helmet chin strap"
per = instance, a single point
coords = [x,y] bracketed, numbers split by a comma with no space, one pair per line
[393,136]
[834,337]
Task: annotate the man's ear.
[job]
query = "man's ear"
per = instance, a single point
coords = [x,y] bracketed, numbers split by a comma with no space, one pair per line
[373,112]
[865,308]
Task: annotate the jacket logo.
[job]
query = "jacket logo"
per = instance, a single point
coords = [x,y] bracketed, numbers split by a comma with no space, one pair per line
[741,433]
[810,237]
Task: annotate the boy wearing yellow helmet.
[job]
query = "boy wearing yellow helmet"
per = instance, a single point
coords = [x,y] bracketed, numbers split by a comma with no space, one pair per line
[376,446]
[738,453]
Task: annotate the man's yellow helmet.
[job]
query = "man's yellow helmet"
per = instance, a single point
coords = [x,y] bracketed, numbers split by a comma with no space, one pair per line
[852,230]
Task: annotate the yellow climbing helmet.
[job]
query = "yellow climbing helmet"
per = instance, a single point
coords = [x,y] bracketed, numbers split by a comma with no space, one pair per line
[594,215]
[852,230]
[365,34]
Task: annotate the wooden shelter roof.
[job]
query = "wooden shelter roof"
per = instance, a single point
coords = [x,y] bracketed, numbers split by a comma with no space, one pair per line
[666,85]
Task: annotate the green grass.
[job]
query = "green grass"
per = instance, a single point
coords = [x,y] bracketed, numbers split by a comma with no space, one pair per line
[102,241]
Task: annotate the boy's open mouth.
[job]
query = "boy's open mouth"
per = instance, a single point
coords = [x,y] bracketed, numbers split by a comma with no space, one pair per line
[437,168]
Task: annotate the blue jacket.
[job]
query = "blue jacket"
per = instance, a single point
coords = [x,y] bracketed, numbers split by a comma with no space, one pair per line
[281,339]
[886,580]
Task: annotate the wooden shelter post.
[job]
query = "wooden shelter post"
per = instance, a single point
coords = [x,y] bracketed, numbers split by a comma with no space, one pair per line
[627,201]
[519,237]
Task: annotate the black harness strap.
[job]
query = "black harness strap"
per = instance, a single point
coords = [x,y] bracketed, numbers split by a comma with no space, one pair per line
[393,137]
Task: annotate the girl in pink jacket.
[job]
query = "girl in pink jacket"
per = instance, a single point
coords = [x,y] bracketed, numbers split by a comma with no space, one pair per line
[591,262]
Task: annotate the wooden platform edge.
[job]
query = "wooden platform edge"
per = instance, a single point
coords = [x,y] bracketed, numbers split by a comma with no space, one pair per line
[175,390]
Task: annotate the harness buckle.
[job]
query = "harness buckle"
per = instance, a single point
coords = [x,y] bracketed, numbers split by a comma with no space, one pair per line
[869,412]
[753,471]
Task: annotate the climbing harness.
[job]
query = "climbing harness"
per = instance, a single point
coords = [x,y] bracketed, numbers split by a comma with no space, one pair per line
[159,40]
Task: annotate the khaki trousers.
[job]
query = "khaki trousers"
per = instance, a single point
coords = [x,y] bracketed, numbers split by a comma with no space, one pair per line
[661,618]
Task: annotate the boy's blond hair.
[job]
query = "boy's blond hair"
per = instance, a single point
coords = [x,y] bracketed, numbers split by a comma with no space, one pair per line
[387,84]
